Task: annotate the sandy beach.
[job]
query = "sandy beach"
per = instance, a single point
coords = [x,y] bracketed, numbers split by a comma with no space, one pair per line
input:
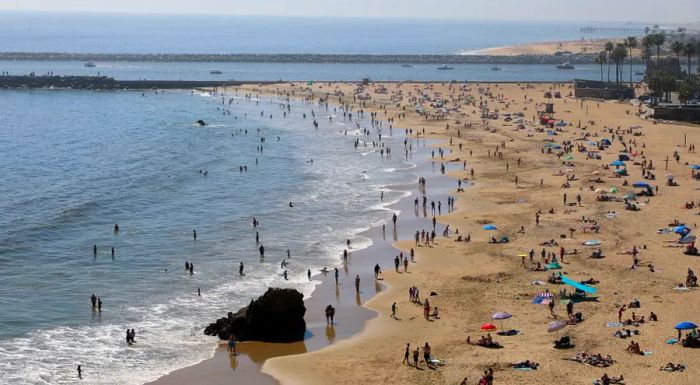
[591,46]
[472,281]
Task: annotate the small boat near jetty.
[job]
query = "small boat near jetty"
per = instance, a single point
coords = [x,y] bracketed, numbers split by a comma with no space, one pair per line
[215,72]
[445,67]
[566,66]
[495,68]
[90,64]
[407,65]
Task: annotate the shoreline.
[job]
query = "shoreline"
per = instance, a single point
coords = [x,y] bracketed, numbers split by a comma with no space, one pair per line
[248,364]
[475,280]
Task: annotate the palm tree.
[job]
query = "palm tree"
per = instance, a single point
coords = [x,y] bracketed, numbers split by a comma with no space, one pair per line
[609,46]
[631,42]
[601,59]
[618,55]
[677,47]
[689,52]
[646,52]
[659,40]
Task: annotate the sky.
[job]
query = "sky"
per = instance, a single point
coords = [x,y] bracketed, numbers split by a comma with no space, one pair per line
[648,11]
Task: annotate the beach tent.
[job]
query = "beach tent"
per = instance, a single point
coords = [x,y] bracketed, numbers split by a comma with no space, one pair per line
[556,325]
[641,185]
[606,142]
[618,163]
[623,156]
[490,227]
[578,285]
[685,325]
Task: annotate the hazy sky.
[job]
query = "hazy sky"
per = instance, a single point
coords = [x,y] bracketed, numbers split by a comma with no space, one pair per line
[660,11]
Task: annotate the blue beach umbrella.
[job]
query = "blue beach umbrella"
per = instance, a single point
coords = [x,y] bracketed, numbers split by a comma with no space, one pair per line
[686,325]
[490,227]
[606,142]
[681,229]
[623,156]
[617,163]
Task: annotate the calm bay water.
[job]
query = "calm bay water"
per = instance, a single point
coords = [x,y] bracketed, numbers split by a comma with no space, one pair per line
[76,163]
[310,71]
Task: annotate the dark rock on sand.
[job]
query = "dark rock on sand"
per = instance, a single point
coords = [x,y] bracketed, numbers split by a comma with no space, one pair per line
[276,316]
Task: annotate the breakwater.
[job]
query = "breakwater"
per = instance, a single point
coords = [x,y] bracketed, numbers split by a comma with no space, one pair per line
[303,58]
[108,83]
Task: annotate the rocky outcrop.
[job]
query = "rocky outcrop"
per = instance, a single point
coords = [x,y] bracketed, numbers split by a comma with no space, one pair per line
[276,316]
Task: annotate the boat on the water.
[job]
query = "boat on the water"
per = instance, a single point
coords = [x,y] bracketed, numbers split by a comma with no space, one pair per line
[90,64]
[407,65]
[566,66]
[215,72]
[495,68]
[445,67]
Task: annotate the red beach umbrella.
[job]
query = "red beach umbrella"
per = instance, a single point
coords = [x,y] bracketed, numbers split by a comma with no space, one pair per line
[488,327]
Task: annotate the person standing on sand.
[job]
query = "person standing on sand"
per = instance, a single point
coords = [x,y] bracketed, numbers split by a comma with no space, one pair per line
[416,355]
[405,265]
[232,344]
[397,263]
[336,273]
[407,354]
[357,283]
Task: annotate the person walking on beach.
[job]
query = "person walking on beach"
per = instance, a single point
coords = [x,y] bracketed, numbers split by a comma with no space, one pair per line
[80,372]
[416,355]
[336,273]
[393,310]
[394,218]
[397,263]
[377,271]
[240,269]
[407,354]
[232,344]
[405,265]
[357,283]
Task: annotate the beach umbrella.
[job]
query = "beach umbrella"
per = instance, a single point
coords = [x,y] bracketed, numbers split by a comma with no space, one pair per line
[606,142]
[501,315]
[641,185]
[688,239]
[488,327]
[556,325]
[681,229]
[617,163]
[685,325]
[592,242]
[490,227]
[695,166]
[623,156]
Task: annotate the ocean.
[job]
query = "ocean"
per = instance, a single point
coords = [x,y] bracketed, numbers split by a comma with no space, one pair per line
[76,163]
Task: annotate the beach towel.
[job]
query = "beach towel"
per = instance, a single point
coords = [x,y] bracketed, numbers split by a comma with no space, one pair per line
[671,341]
[524,369]
[647,352]
[614,325]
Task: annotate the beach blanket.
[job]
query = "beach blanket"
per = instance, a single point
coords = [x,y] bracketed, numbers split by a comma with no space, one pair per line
[671,341]
[614,325]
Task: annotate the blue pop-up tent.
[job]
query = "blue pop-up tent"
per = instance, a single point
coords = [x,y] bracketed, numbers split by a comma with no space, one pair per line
[578,285]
